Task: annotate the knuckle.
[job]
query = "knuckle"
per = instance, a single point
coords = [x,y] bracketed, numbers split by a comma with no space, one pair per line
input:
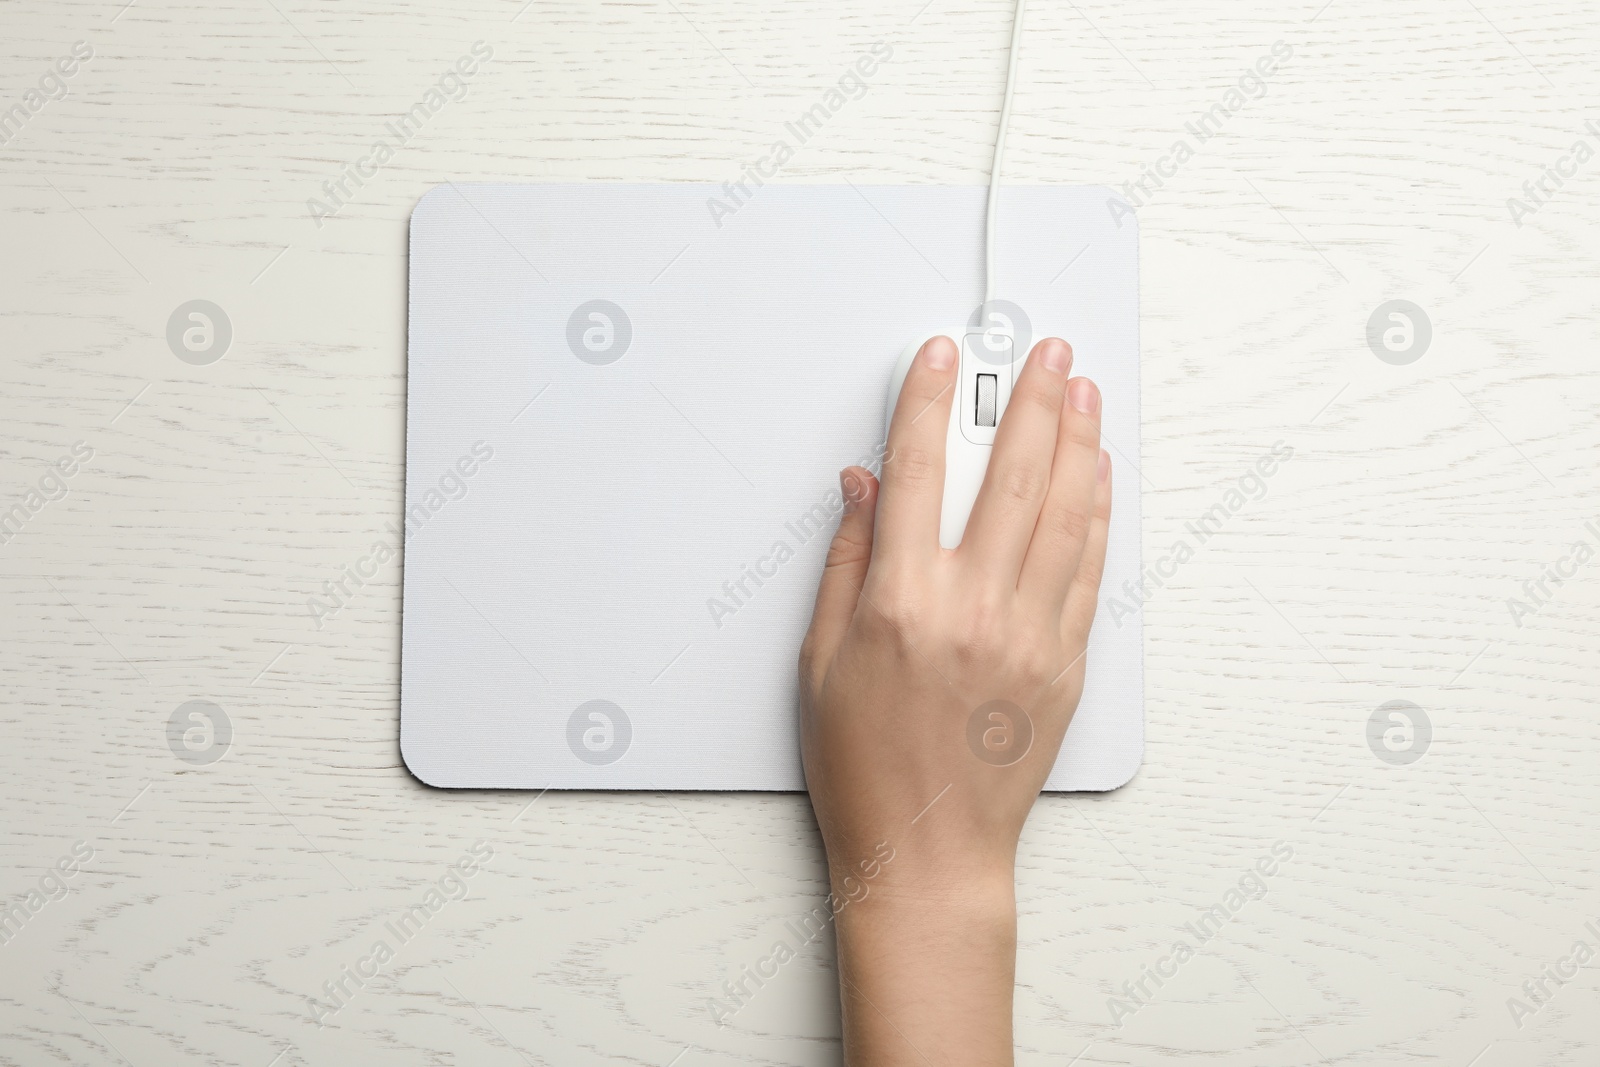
[1020,482]
[980,633]
[1083,432]
[808,660]
[1033,658]
[904,614]
[897,608]
[910,465]
[848,547]
[920,396]
[1070,525]
[1090,570]
[858,485]
[1041,397]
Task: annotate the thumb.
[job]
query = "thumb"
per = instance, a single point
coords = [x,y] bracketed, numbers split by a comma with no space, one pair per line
[844,573]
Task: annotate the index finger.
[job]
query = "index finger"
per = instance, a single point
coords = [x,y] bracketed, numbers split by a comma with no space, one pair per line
[912,483]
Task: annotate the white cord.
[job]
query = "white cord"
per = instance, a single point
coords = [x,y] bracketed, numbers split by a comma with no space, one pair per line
[999,152]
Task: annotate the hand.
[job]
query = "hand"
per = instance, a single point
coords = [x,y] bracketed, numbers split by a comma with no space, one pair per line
[936,688]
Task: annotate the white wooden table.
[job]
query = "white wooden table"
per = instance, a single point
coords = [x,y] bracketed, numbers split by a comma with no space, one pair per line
[176,562]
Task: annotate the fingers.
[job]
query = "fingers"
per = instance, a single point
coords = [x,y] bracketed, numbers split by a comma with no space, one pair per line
[844,572]
[1067,515]
[1083,594]
[907,524]
[1018,478]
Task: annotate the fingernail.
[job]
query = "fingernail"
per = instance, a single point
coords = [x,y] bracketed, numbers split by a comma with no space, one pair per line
[1084,396]
[1103,471]
[849,489]
[939,353]
[1057,357]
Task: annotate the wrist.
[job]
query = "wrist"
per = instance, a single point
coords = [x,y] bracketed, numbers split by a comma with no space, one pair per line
[937,961]
[978,893]
[970,912]
[925,873]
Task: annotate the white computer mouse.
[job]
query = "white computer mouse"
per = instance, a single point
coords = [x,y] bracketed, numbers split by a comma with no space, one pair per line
[989,364]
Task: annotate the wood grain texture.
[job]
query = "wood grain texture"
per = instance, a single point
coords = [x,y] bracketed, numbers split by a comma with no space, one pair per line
[1377,566]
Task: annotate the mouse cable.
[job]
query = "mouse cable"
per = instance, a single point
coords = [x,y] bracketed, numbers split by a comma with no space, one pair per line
[999,151]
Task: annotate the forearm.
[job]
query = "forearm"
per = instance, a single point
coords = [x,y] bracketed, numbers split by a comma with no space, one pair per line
[933,703]
[926,978]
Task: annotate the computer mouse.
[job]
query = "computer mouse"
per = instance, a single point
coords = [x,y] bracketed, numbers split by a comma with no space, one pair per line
[986,371]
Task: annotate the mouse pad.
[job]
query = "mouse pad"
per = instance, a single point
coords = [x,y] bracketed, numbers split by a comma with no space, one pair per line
[627,407]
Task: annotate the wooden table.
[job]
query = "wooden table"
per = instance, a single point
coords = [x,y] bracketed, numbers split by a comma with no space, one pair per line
[236,866]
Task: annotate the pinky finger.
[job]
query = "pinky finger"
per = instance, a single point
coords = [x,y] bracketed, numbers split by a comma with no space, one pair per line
[1084,594]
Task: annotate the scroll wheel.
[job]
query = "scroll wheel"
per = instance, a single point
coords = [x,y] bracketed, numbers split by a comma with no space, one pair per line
[987,390]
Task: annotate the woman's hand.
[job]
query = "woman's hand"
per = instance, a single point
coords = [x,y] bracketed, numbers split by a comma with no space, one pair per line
[936,688]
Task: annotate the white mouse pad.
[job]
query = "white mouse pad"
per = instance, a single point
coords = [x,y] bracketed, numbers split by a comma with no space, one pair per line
[627,409]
